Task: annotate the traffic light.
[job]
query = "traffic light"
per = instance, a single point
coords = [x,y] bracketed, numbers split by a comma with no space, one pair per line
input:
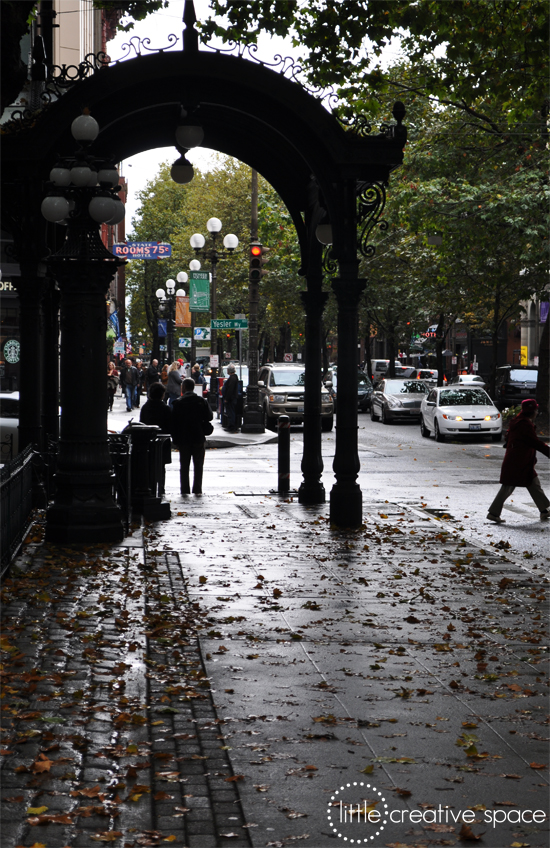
[258,259]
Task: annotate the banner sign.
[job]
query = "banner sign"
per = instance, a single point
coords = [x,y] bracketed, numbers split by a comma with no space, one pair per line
[113,320]
[162,328]
[199,291]
[202,334]
[142,250]
[183,313]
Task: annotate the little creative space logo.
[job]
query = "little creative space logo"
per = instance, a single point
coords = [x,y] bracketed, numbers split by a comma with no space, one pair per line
[358,814]
[355,818]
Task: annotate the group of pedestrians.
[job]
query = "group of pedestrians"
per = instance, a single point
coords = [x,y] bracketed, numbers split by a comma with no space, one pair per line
[187,421]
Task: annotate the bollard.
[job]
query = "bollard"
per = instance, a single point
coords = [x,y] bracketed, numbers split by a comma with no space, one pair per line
[283,425]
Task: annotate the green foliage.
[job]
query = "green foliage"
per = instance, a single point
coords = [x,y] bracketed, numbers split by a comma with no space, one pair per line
[172,213]
[137,10]
[459,52]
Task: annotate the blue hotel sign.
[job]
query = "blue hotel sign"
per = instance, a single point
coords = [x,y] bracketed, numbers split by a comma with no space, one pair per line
[142,250]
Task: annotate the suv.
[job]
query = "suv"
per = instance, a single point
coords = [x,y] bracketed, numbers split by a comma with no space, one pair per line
[282,393]
[514,383]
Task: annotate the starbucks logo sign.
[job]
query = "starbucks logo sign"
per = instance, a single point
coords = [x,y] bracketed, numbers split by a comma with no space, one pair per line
[12,351]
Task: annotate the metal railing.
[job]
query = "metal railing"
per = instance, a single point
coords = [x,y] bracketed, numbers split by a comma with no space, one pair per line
[16,479]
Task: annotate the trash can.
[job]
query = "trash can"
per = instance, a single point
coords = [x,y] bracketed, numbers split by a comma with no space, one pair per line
[145,472]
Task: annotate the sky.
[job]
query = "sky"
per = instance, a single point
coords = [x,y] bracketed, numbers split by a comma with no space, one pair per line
[157,27]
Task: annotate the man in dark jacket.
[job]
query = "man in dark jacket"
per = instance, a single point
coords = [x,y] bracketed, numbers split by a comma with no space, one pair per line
[518,467]
[131,379]
[230,392]
[155,411]
[152,375]
[189,415]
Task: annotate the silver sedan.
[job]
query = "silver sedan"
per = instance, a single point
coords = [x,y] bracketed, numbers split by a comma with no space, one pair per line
[394,400]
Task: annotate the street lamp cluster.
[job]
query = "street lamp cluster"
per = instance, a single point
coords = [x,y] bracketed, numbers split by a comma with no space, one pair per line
[83,184]
[213,255]
[167,305]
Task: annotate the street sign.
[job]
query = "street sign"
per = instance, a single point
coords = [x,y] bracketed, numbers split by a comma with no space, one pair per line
[184,343]
[119,347]
[214,361]
[142,250]
[163,347]
[288,357]
[229,324]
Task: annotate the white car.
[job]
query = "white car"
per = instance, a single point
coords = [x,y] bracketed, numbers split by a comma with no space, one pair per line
[459,411]
[469,380]
[9,425]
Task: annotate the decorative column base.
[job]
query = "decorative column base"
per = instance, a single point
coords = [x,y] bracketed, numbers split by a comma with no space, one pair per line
[346,506]
[310,493]
[253,415]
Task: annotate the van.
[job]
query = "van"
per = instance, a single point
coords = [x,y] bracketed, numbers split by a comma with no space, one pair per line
[379,368]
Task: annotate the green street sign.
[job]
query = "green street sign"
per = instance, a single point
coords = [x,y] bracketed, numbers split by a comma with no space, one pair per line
[230,324]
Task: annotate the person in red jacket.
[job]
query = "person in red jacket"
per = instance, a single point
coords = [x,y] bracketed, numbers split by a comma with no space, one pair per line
[518,467]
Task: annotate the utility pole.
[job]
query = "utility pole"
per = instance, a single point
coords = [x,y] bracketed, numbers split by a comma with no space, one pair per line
[252,413]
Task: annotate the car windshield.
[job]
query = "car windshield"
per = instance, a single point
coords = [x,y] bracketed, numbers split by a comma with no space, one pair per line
[363,381]
[523,376]
[9,408]
[464,397]
[287,378]
[238,369]
[404,387]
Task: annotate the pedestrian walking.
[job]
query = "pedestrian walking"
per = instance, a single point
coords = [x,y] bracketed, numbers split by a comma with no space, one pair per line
[196,374]
[173,385]
[518,467]
[164,375]
[155,411]
[190,426]
[230,393]
[152,375]
[131,378]
[112,383]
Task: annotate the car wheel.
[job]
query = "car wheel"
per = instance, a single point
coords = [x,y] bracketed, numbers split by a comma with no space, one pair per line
[373,416]
[384,417]
[327,424]
[423,429]
[437,433]
[497,437]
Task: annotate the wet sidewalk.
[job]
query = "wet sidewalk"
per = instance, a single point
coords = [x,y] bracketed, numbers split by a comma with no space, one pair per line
[241,674]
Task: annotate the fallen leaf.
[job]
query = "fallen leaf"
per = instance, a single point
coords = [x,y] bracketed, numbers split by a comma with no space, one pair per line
[235,778]
[537,765]
[466,833]
[107,836]
[36,811]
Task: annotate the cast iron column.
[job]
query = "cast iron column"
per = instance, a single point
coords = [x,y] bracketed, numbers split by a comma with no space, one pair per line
[31,288]
[83,510]
[346,502]
[50,410]
[311,489]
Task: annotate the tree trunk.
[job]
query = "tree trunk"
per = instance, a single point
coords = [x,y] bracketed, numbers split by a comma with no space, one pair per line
[390,339]
[439,342]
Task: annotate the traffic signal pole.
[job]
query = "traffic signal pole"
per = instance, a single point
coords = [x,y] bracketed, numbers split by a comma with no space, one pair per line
[252,412]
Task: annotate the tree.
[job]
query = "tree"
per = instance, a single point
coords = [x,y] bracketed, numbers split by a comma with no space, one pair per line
[459,52]
[170,212]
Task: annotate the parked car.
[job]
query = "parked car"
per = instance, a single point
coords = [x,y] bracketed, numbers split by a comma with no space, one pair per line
[239,369]
[394,400]
[459,411]
[404,371]
[514,383]
[364,388]
[282,393]
[472,380]
[9,425]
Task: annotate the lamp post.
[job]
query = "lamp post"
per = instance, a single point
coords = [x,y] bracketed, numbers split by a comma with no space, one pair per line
[82,194]
[167,305]
[213,255]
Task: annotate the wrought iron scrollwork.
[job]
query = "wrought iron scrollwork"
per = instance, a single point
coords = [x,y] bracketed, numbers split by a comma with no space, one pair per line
[371,202]
[330,265]
[358,124]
